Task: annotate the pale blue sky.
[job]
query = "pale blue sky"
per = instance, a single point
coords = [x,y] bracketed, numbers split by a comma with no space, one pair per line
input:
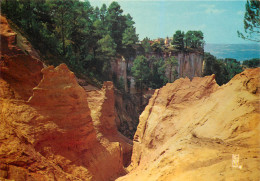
[218,20]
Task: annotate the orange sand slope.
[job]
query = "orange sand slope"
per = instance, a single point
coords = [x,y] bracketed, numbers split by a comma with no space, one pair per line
[54,129]
[191,129]
[50,129]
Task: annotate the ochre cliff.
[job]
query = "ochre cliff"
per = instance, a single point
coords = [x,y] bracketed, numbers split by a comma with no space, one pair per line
[128,105]
[191,129]
[51,128]
[22,72]
[54,129]
[102,105]
[190,64]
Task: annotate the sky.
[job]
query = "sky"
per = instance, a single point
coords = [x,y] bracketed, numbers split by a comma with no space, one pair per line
[218,20]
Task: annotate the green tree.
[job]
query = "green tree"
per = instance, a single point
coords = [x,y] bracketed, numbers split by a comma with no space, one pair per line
[253,63]
[217,67]
[157,76]
[121,83]
[116,24]
[194,39]
[73,32]
[251,21]
[129,38]
[198,39]
[178,40]
[106,50]
[26,11]
[80,33]
[157,48]
[141,72]
[172,63]
[188,39]
[61,15]
[12,9]
[103,13]
[146,45]
[233,67]
[96,14]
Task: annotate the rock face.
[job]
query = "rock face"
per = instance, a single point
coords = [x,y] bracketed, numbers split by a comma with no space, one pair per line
[127,101]
[190,64]
[195,130]
[102,105]
[128,104]
[51,128]
[19,72]
[8,38]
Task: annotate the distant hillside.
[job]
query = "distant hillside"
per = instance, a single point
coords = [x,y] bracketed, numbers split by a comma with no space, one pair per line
[237,51]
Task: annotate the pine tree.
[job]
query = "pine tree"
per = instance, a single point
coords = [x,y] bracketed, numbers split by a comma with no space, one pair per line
[61,15]
[106,50]
[251,21]
[146,45]
[116,24]
[172,63]
[129,38]
[178,40]
[141,72]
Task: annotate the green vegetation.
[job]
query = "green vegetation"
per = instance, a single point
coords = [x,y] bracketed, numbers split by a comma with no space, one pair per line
[150,72]
[157,48]
[141,71]
[160,56]
[233,67]
[157,77]
[192,41]
[253,63]
[73,32]
[224,70]
[172,63]
[178,40]
[88,38]
[146,45]
[251,21]
[121,84]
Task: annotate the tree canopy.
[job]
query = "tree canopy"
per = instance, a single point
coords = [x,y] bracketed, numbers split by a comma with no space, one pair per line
[178,40]
[252,63]
[172,63]
[74,32]
[146,45]
[194,39]
[191,39]
[141,70]
[251,21]
[224,70]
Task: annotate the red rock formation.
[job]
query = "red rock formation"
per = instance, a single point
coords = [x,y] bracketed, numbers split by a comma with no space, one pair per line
[50,129]
[191,129]
[102,105]
[55,125]
[19,72]
[8,39]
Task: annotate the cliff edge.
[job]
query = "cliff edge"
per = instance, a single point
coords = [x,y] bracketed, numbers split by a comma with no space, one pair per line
[197,130]
[50,129]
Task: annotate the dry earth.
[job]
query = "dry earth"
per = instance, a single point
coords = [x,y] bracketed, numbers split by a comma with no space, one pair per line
[191,129]
[51,128]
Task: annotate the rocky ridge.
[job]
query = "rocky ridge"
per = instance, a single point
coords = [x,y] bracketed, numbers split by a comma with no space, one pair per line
[197,130]
[51,129]
[54,129]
